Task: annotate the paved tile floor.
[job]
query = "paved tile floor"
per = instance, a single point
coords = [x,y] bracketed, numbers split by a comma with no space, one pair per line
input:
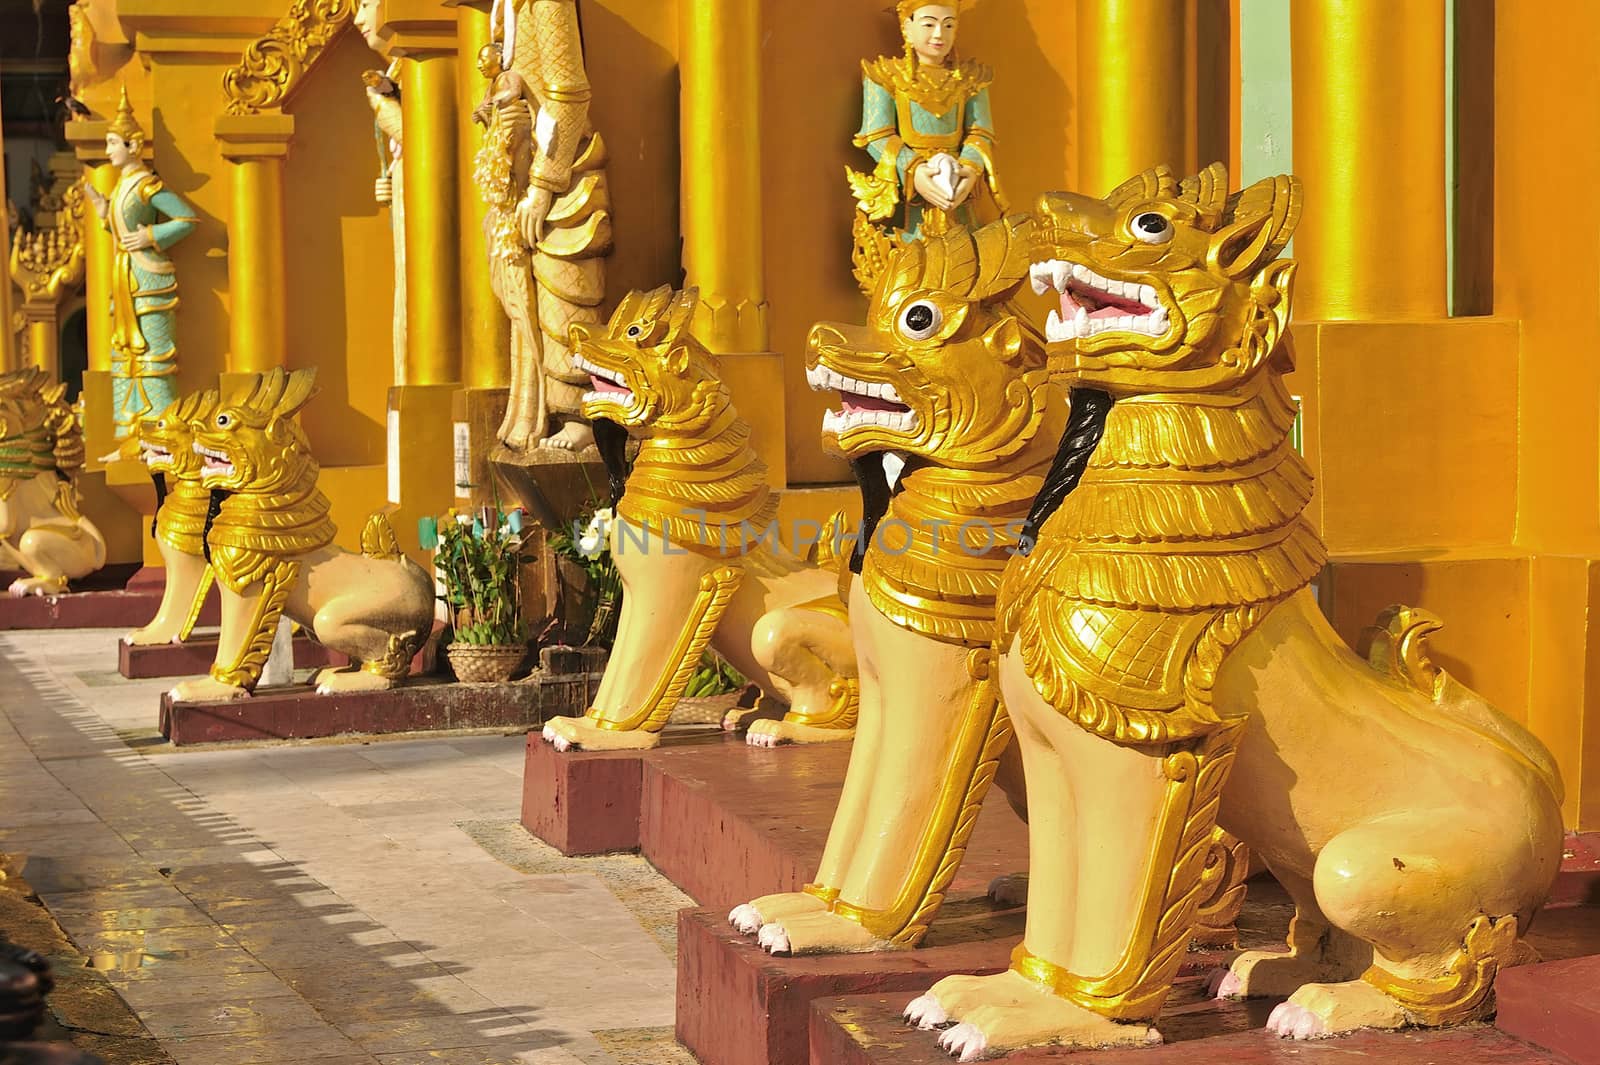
[339,903]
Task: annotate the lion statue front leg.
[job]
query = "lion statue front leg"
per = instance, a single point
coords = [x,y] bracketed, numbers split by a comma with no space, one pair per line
[664,642]
[249,623]
[188,581]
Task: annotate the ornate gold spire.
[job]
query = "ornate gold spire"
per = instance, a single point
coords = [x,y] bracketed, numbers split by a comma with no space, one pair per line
[124,124]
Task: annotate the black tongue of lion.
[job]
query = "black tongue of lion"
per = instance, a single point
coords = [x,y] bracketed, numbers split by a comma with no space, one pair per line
[612,441]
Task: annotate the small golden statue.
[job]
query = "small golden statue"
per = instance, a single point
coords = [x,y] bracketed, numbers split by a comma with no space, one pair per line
[926,122]
[541,172]
[383,96]
[271,547]
[146,220]
[695,543]
[1168,670]
[42,533]
[166,447]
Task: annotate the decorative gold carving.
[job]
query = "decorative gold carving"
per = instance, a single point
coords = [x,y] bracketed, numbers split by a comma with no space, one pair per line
[1174,886]
[272,66]
[1222,891]
[1464,991]
[938,90]
[696,479]
[716,591]
[244,669]
[48,263]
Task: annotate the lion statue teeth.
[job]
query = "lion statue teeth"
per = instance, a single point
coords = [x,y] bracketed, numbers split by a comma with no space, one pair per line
[165,445]
[43,536]
[271,547]
[695,542]
[1168,671]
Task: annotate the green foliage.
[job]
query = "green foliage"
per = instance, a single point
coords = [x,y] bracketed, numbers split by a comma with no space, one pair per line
[480,560]
[588,544]
[714,677]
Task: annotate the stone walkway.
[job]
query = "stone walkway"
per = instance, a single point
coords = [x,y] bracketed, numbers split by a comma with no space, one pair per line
[340,903]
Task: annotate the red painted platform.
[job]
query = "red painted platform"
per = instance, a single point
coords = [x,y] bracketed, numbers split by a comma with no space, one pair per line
[867,1030]
[588,802]
[1555,1005]
[429,705]
[193,657]
[109,599]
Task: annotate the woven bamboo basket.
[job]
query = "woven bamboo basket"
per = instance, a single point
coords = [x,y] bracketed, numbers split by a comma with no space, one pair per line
[485,663]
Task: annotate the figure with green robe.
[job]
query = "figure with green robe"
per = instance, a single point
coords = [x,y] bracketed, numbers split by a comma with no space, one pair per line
[927,124]
[145,220]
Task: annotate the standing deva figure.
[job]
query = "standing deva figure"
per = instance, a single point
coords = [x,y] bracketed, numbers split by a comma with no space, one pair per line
[146,220]
[383,95]
[926,122]
[541,172]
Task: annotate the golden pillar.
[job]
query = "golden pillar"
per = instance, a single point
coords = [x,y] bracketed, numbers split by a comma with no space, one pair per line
[42,329]
[428,162]
[8,352]
[1131,100]
[1369,142]
[485,339]
[720,68]
[88,140]
[255,147]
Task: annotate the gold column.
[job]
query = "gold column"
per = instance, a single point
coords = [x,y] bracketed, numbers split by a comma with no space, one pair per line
[43,337]
[98,255]
[720,68]
[1131,99]
[485,337]
[428,162]
[1369,134]
[8,352]
[255,147]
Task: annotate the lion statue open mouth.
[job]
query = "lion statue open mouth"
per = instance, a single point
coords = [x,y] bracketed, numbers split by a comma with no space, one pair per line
[1168,670]
[166,446]
[947,415]
[271,547]
[695,542]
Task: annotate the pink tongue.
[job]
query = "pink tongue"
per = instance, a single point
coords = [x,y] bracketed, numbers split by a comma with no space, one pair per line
[602,385]
[851,401]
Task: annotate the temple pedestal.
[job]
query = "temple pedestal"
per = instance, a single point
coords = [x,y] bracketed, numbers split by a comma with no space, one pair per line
[298,712]
[193,657]
[115,597]
[867,1030]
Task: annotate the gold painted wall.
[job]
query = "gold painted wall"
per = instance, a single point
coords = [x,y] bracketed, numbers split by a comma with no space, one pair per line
[339,262]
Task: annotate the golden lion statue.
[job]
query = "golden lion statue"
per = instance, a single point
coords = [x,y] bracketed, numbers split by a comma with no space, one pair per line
[1167,670]
[166,446]
[950,421]
[42,534]
[695,543]
[271,547]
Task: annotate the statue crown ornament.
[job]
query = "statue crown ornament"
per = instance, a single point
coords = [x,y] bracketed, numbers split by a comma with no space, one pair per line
[124,124]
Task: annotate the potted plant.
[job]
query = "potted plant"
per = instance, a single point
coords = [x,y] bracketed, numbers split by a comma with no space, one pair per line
[591,587]
[479,560]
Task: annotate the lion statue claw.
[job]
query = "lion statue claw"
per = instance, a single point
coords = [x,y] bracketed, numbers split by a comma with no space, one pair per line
[43,536]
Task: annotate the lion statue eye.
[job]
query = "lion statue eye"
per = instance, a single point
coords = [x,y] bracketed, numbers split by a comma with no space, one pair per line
[224,420]
[920,320]
[635,332]
[1152,227]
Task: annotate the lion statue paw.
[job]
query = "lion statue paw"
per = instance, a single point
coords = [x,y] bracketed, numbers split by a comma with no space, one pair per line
[206,690]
